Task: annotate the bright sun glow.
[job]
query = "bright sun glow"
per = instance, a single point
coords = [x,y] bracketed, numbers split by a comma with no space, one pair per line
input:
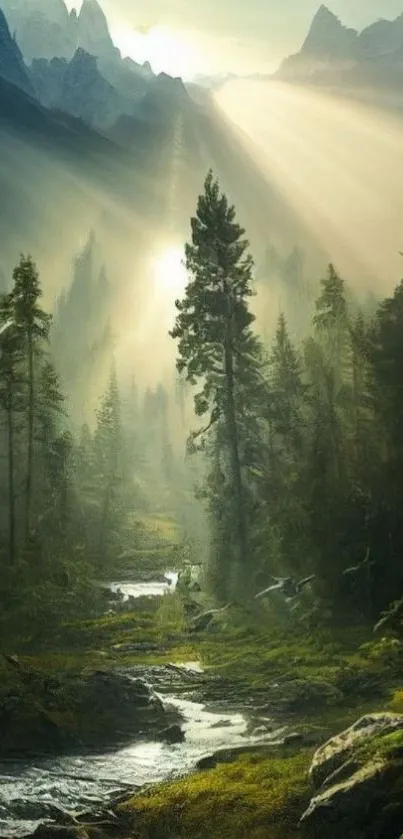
[333,166]
[170,272]
[167,50]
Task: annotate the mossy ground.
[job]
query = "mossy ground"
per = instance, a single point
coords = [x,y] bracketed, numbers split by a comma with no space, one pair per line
[253,798]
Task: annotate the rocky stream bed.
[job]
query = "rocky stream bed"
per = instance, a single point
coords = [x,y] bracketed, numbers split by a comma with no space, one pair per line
[157,723]
[165,728]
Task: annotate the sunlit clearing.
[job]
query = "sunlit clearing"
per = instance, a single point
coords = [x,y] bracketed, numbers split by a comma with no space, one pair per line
[170,272]
[336,162]
[167,50]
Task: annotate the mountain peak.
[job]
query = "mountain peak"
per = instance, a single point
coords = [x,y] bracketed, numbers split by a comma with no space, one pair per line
[328,37]
[325,13]
[91,11]
[93,30]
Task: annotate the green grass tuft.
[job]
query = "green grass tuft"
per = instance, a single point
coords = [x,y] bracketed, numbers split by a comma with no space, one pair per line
[252,798]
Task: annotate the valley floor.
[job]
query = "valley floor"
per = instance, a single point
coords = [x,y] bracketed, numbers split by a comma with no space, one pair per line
[310,687]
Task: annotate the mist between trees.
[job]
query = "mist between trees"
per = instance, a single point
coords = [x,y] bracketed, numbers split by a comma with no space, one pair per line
[295,458]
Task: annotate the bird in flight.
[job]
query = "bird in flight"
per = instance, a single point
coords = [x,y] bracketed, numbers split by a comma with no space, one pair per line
[287,586]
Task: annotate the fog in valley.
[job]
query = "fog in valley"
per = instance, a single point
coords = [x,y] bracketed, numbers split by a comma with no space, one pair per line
[201,527]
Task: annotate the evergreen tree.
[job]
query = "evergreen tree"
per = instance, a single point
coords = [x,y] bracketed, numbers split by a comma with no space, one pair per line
[48,437]
[108,457]
[332,322]
[287,389]
[33,325]
[216,346]
[11,384]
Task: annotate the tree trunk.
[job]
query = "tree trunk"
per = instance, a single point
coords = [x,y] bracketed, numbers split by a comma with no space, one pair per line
[30,450]
[104,524]
[232,430]
[11,490]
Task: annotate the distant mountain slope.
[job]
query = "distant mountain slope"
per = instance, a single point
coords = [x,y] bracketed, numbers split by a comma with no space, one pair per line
[24,115]
[336,55]
[12,67]
[75,65]
[78,88]
[45,29]
[56,175]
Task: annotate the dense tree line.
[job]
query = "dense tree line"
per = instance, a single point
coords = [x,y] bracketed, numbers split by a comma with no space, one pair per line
[67,496]
[299,446]
[303,442]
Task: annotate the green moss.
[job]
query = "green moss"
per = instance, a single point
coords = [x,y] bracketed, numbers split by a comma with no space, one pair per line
[387,746]
[252,798]
[396,703]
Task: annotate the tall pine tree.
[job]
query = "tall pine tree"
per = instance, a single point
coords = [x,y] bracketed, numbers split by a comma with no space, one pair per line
[33,325]
[216,346]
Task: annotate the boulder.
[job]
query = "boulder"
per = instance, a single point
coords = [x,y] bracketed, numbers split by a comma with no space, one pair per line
[358,776]
[338,750]
[110,689]
[115,705]
[91,710]
[303,695]
[53,831]
[173,735]
[363,802]
[26,728]
[231,754]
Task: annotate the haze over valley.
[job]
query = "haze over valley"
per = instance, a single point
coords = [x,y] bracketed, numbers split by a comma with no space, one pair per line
[201,321]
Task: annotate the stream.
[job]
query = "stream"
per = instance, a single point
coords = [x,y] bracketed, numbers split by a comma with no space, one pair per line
[151,589]
[31,791]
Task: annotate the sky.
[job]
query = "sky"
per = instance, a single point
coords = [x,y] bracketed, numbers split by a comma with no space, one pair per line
[187,37]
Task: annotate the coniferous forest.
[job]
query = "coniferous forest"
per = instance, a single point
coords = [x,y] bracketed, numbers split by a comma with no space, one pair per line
[282,519]
[201,412]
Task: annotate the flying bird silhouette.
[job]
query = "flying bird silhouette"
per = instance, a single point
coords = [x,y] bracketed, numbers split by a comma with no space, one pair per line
[287,586]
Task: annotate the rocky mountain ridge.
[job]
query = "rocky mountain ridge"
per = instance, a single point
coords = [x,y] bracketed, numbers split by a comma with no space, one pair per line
[338,55]
[12,67]
[79,71]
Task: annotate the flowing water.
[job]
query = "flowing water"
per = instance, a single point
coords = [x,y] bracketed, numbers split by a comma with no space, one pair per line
[151,589]
[30,791]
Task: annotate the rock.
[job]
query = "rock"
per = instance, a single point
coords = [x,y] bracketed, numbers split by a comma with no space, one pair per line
[115,692]
[297,695]
[222,724]
[260,731]
[339,749]
[230,755]
[293,738]
[359,780]
[34,811]
[354,806]
[173,734]
[27,729]
[91,710]
[50,831]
